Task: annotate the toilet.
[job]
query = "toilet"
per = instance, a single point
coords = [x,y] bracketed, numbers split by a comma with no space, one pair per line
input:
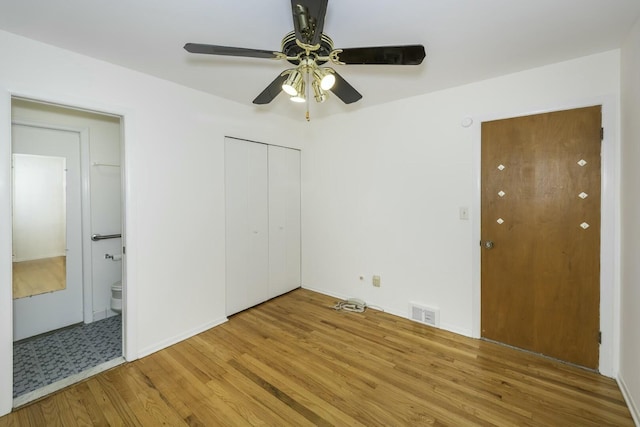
[116,297]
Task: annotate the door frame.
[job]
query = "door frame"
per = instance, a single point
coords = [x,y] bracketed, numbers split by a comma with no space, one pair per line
[129,270]
[609,231]
[85,206]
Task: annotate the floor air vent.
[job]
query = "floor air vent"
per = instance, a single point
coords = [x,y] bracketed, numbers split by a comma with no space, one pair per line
[423,314]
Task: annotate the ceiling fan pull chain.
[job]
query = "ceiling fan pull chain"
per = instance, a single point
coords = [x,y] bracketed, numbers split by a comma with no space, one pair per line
[307,98]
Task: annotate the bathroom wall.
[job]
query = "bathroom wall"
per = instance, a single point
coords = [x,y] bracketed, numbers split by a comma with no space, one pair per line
[105,189]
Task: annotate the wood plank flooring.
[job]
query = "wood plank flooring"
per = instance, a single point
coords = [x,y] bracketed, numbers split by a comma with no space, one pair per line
[295,361]
[39,276]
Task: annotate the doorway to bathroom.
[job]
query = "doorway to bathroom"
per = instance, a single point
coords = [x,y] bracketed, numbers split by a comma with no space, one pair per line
[67,245]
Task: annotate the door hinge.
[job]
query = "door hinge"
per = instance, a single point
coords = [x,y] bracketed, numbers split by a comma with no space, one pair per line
[600,337]
[601,134]
[124,250]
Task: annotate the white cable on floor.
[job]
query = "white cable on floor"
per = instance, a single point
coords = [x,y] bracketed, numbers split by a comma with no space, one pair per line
[350,305]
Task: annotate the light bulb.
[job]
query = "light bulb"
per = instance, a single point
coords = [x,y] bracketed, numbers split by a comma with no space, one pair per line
[328,81]
[293,84]
[325,77]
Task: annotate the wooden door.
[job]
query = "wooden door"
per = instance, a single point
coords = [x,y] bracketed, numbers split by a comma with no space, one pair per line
[284,220]
[541,212]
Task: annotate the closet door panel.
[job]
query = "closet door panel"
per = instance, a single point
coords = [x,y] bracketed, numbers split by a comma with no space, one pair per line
[284,220]
[247,242]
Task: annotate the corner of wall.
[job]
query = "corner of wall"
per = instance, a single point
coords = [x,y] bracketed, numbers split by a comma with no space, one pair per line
[178,338]
[633,408]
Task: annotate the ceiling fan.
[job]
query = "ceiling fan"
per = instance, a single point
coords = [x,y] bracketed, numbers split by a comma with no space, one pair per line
[308,48]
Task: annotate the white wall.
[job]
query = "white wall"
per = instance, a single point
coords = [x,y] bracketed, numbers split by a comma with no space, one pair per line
[104,189]
[382,190]
[174,170]
[630,209]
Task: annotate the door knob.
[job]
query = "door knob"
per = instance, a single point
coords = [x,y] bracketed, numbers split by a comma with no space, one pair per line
[487,244]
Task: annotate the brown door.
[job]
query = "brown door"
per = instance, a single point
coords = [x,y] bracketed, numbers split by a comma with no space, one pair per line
[541,215]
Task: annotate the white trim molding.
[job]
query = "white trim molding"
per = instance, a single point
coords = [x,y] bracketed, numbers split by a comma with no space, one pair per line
[180,337]
[6,297]
[633,408]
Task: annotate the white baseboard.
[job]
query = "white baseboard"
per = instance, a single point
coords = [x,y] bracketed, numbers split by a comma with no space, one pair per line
[174,340]
[103,314]
[633,408]
[404,315]
[456,330]
[323,292]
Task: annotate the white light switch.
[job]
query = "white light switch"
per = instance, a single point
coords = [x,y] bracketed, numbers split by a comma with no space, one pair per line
[464,213]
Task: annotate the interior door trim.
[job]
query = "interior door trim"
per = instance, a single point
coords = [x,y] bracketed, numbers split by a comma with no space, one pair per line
[6,297]
[610,233]
[129,206]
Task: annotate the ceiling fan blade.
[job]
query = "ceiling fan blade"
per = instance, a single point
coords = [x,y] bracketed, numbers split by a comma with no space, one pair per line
[343,90]
[308,19]
[211,49]
[271,91]
[394,55]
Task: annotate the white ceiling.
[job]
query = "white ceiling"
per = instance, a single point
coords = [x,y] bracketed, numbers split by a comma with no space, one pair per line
[465,40]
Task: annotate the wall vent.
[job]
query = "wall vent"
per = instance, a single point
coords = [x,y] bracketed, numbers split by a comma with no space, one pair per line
[424,314]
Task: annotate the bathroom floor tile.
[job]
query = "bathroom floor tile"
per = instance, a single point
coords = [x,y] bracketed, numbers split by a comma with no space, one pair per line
[44,359]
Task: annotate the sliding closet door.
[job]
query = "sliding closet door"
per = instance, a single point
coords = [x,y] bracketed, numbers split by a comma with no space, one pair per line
[284,220]
[247,241]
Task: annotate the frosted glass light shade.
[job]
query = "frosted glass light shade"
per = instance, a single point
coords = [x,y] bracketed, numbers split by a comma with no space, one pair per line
[328,81]
[325,76]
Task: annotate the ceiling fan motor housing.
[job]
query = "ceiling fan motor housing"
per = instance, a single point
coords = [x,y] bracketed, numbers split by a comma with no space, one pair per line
[292,49]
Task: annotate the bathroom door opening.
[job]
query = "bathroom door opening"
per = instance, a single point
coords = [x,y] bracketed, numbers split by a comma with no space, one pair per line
[83,331]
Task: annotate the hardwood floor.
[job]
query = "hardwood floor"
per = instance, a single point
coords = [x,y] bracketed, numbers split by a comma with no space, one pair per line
[295,361]
[39,276]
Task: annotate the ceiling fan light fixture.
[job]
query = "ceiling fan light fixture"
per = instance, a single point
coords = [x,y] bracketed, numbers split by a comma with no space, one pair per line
[308,48]
[318,93]
[325,77]
[294,84]
[328,81]
[299,98]
[300,87]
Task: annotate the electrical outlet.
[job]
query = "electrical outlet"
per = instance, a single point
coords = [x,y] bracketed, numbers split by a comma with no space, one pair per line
[376,281]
